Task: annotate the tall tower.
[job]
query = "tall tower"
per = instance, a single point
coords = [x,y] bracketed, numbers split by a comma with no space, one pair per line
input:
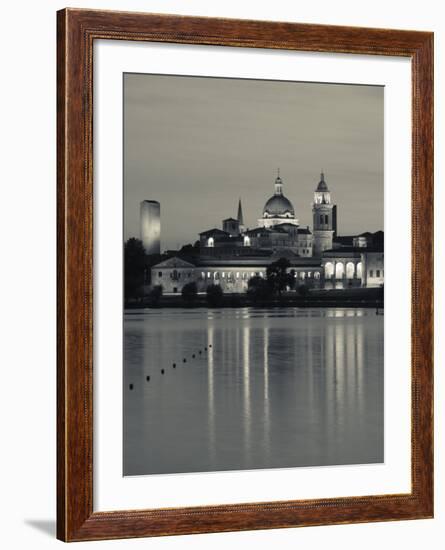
[325,218]
[240,217]
[150,219]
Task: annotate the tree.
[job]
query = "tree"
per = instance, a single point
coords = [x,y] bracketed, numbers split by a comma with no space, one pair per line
[190,249]
[155,295]
[214,295]
[259,289]
[134,266]
[189,293]
[277,276]
[303,290]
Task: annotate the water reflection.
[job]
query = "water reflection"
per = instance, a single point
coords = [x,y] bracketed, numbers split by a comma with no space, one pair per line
[211,394]
[266,404]
[246,387]
[271,388]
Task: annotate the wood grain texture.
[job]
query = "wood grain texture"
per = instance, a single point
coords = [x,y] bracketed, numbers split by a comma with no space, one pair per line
[76,31]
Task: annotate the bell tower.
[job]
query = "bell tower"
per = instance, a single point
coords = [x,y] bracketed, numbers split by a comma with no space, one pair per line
[324,218]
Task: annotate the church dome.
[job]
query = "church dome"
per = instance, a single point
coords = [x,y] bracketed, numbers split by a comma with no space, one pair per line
[278,205]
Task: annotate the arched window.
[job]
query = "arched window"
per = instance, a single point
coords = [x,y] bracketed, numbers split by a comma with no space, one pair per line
[350,270]
[210,242]
[328,270]
[246,241]
[317,275]
[339,270]
[359,270]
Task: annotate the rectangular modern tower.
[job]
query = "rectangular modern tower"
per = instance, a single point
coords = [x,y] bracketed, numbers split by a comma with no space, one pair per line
[150,219]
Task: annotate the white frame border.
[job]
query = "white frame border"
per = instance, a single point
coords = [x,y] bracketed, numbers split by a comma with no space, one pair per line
[112,491]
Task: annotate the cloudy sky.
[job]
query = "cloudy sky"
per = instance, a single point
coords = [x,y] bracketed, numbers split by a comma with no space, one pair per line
[198,144]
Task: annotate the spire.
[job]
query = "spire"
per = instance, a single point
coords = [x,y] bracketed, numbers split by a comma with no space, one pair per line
[240,213]
[322,185]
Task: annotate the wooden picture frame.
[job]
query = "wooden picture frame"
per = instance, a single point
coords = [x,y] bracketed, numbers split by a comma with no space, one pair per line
[77,31]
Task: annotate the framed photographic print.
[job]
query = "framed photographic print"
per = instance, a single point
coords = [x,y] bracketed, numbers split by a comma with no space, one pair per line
[245,230]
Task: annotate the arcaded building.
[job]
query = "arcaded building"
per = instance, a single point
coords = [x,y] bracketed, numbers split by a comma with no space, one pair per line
[231,254]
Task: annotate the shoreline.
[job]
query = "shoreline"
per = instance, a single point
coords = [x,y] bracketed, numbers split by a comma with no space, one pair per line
[355,298]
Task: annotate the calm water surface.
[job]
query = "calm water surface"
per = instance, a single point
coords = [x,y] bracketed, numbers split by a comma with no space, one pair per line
[276,388]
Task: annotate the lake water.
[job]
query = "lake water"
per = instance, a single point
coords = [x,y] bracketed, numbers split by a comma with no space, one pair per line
[275,388]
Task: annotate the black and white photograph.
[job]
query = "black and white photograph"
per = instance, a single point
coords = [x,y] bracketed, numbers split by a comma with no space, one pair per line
[253,314]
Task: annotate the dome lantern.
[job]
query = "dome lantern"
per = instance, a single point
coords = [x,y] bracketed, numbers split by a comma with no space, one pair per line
[278,184]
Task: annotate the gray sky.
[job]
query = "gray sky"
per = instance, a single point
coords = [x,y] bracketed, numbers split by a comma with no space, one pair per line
[197,144]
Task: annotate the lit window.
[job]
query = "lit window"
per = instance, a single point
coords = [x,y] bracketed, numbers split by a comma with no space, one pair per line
[208,274]
[223,274]
[237,275]
[210,242]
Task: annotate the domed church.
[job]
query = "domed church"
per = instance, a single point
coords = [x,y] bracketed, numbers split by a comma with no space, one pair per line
[278,209]
[278,231]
